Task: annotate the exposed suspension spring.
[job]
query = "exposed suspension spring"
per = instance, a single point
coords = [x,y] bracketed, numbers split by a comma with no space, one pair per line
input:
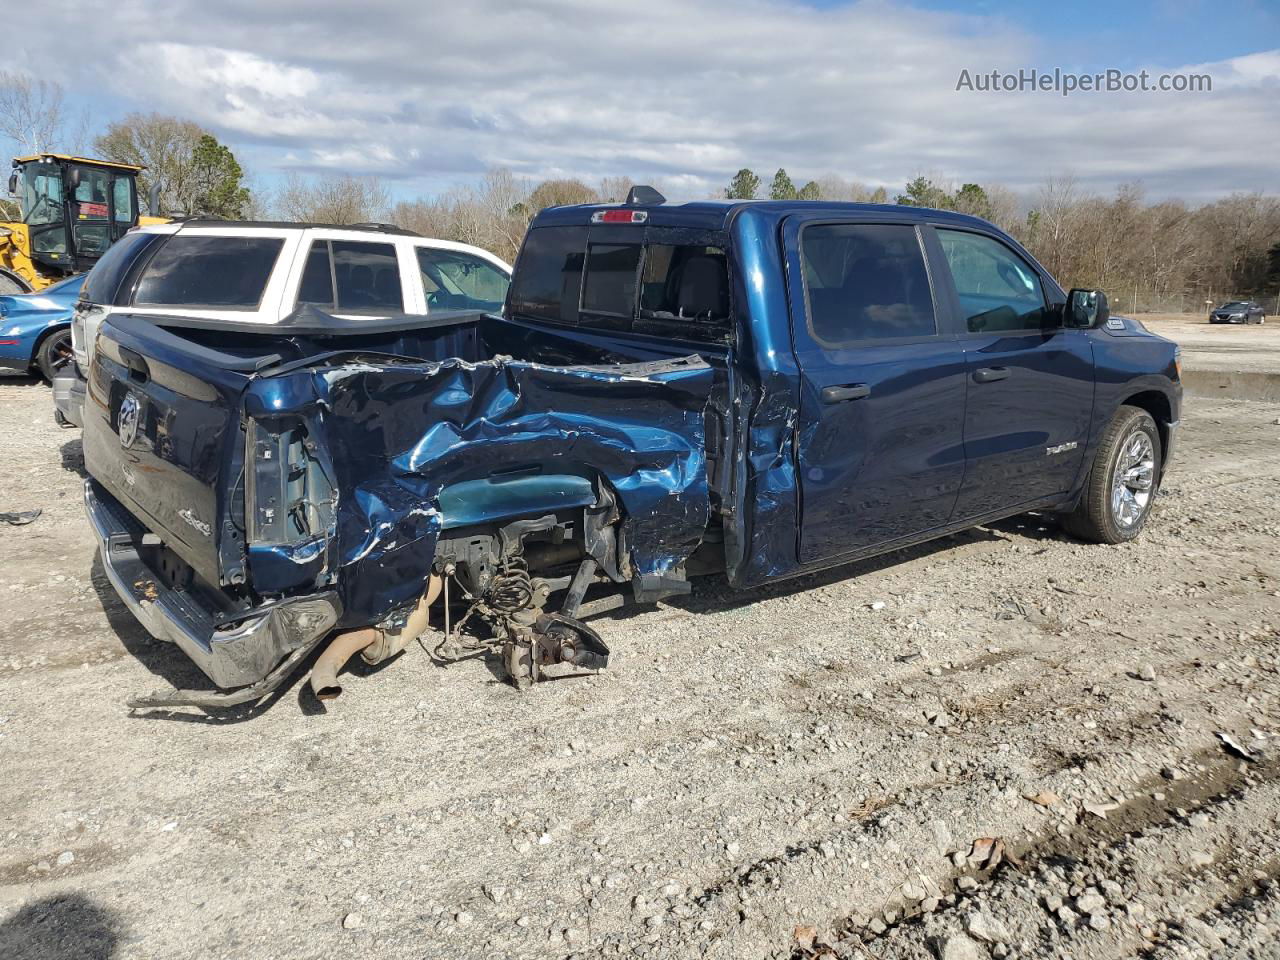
[510,591]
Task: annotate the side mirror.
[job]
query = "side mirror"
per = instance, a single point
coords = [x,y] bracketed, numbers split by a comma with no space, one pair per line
[13,184]
[73,178]
[1087,309]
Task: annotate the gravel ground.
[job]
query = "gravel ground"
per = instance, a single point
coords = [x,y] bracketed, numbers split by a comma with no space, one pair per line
[999,744]
[1250,348]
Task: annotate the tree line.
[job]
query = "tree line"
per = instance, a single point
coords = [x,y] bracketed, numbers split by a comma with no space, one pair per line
[1166,255]
[1162,256]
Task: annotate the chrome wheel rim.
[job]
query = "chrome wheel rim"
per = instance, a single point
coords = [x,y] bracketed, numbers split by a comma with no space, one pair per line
[1134,480]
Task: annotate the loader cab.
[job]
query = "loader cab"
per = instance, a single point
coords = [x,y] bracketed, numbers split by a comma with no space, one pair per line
[72,210]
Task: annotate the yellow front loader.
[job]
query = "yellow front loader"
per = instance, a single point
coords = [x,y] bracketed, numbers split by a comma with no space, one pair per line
[71,210]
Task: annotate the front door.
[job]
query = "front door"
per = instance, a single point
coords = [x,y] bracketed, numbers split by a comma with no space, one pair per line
[879,445]
[1030,381]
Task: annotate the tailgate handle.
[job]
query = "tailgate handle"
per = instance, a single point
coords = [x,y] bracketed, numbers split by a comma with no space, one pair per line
[991,374]
[137,364]
[850,391]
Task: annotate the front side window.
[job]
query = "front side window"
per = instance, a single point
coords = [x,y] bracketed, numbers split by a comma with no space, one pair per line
[454,280]
[865,282]
[41,194]
[203,271]
[350,276]
[999,291]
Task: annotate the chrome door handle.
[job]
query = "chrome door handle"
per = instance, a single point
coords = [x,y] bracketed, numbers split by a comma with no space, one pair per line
[991,374]
[850,391]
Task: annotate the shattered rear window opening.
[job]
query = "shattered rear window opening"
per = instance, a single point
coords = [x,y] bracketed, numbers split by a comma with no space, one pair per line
[604,282]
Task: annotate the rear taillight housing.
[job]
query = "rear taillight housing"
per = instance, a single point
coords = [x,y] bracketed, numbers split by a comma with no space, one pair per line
[288,495]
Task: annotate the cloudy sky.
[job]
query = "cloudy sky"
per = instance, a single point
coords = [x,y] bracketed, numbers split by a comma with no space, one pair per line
[428,94]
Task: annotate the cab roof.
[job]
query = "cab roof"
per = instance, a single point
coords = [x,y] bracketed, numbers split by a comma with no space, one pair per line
[719,214]
[68,158]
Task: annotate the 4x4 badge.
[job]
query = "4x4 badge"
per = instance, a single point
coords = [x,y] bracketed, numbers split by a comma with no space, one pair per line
[128,420]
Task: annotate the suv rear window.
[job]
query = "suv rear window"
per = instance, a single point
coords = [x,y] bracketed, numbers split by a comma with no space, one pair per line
[103,281]
[202,271]
[606,281]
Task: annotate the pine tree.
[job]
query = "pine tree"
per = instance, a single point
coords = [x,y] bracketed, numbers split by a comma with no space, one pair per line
[743,186]
[782,188]
[810,191]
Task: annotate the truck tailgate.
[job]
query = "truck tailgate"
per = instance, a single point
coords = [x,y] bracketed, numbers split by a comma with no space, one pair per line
[161,426]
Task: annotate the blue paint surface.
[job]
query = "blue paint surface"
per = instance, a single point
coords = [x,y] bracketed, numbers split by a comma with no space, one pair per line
[27,317]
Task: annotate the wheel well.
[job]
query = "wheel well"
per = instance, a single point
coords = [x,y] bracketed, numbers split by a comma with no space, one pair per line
[1156,404]
[45,335]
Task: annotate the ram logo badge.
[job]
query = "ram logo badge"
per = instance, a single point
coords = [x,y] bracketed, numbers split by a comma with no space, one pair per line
[128,420]
[1061,448]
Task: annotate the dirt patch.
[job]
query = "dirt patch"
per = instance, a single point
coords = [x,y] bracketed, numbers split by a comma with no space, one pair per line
[810,755]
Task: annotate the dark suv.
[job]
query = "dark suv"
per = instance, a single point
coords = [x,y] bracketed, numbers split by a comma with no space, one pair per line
[1238,311]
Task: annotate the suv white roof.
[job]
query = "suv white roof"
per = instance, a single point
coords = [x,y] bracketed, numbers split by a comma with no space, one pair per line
[279,296]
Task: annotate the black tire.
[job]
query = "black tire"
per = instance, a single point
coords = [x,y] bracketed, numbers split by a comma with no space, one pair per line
[1105,514]
[11,284]
[54,353]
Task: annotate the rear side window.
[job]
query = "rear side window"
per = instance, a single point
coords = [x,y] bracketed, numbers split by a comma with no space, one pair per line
[350,276]
[103,281]
[865,282]
[454,280]
[202,271]
[998,290]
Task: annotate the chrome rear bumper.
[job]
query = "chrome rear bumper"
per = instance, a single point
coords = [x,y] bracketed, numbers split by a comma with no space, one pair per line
[232,647]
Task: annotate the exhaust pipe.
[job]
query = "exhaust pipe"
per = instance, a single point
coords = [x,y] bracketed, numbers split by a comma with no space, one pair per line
[324,675]
[373,644]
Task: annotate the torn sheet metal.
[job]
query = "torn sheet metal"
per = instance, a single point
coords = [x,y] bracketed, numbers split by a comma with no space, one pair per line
[396,434]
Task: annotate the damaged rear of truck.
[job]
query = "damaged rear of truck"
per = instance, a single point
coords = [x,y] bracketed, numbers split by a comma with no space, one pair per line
[344,483]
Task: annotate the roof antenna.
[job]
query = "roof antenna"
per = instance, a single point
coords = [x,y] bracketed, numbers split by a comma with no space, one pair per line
[643,196]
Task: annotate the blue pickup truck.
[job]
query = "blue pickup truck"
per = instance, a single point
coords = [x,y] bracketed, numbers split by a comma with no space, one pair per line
[751,390]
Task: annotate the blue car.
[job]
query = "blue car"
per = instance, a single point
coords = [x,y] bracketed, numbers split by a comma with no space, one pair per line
[35,328]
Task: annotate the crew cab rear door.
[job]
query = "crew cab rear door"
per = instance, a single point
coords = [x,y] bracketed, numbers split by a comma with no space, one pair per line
[880,441]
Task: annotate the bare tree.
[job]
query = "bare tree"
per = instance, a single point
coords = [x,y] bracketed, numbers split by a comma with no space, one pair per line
[31,111]
[333,199]
[558,193]
[614,189]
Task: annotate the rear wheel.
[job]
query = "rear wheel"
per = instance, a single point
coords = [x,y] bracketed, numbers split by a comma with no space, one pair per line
[1122,482]
[54,353]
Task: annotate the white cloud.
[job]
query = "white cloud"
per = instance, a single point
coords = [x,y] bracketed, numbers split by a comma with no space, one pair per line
[685,92]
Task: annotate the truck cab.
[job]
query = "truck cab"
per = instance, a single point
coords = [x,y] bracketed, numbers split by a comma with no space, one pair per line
[748,390]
